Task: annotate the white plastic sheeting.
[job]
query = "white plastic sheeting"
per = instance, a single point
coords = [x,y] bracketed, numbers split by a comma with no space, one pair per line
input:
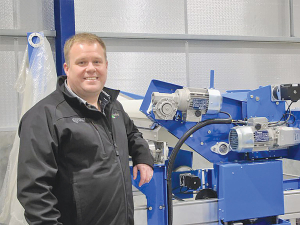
[34,82]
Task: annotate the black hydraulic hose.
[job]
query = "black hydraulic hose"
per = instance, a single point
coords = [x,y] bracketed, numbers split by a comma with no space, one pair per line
[174,153]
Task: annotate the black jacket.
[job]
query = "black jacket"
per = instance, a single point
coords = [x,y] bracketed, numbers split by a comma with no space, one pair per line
[73,161]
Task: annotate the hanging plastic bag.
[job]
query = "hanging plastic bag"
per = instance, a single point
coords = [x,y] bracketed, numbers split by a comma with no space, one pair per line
[34,82]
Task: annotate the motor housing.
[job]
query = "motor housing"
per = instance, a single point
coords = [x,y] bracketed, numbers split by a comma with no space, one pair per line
[258,135]
[192,102]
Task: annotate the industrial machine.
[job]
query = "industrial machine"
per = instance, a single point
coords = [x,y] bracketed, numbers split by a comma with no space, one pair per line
[245,134]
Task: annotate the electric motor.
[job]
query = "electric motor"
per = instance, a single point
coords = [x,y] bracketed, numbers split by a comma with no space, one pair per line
[192,102]
[259,136]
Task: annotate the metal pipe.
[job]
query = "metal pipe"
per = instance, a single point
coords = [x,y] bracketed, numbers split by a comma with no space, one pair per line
[187,37]
[291,4]
[23,33]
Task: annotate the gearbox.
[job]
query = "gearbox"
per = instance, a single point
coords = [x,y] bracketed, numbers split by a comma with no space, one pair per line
[192,102]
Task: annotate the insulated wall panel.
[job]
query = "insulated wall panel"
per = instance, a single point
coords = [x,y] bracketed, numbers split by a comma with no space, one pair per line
[238,17]
[35,15]
[31,15]
[6,14]
[241,65]
[130,16]
[48,15]
[297,18]
[8,74]
[132,64]
[133,71]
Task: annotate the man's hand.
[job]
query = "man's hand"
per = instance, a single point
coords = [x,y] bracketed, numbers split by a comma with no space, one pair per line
[146,173]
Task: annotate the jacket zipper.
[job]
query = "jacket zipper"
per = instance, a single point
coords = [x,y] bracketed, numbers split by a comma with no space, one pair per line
[120,165]
[94,125]
[124,186]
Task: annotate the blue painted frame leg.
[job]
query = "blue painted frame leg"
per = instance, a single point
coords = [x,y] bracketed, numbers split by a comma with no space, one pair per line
[64,15]
[156,194]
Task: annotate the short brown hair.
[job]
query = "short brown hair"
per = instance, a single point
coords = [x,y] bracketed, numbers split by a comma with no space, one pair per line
[82,38]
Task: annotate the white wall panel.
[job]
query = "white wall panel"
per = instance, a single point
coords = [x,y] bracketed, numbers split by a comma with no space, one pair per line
[6,14]
[35,15]
[238,17]
[297,18]
[130,16]
[48,15]
[8,74]
[132,64]
[240,65]
[133,71]
[31,15]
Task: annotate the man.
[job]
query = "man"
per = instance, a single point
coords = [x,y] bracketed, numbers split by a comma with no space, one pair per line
[74,147]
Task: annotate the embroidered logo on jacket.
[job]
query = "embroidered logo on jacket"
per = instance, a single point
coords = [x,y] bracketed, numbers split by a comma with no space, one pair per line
[77,120]
[114,115]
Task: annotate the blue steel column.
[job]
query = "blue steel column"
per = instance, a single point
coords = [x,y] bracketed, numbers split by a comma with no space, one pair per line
[65,27]
[156,194]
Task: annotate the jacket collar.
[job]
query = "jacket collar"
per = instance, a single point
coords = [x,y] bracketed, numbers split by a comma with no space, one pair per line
[113,94]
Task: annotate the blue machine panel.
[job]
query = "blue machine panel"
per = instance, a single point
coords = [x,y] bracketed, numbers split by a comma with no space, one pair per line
[260,104]
[249,190]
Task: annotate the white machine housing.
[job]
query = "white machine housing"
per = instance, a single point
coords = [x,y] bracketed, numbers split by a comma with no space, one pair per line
[192,102]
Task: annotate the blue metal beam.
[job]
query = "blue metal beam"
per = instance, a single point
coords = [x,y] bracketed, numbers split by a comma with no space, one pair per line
[65,27]
[156,194]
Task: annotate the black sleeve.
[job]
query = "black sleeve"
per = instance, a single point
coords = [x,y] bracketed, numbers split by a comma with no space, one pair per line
[138,147]
[37,169]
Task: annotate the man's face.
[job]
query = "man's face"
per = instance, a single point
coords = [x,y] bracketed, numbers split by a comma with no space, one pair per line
[87,69]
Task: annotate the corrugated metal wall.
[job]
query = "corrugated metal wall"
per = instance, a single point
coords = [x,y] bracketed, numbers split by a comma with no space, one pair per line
[237,65]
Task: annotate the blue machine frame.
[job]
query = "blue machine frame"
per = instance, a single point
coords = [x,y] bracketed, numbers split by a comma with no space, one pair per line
[249,185]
